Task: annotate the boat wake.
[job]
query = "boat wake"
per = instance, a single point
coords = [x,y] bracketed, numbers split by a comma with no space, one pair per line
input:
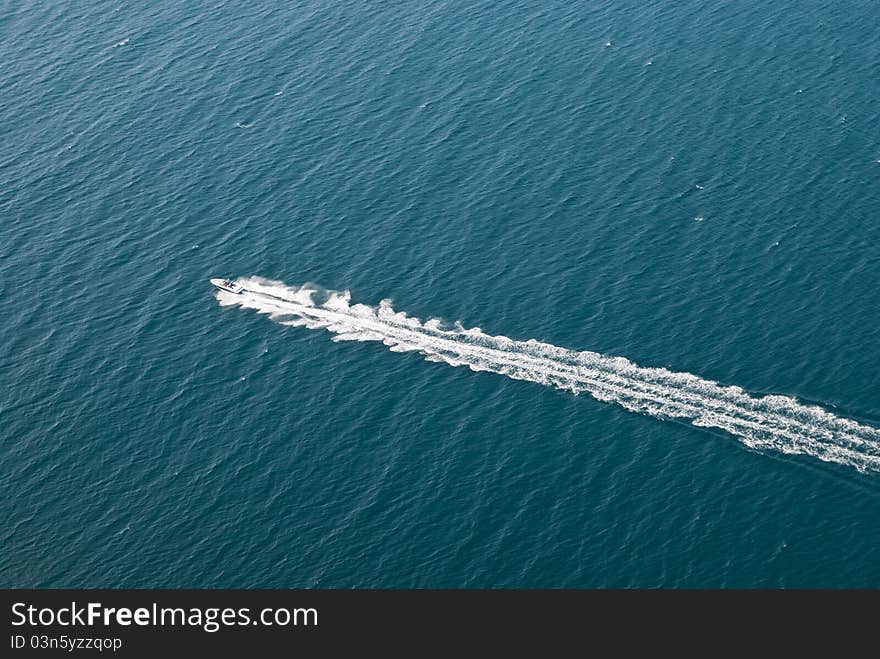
[772,422]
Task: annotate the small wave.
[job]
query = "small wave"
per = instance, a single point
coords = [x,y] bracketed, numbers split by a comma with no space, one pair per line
[770,422]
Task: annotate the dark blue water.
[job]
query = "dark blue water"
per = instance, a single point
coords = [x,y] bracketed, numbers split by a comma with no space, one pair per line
[688,185]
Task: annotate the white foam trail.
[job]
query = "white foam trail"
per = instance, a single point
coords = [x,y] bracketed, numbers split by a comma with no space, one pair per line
[780,423]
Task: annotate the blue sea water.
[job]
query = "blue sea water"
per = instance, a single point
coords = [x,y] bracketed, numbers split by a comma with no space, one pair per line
[691,186]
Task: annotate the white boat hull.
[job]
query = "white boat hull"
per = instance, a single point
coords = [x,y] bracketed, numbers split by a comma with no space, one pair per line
[228,285]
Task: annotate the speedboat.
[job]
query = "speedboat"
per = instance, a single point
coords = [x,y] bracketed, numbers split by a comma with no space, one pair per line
[228,285]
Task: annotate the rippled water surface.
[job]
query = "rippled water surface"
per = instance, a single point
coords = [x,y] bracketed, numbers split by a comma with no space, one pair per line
[646,232]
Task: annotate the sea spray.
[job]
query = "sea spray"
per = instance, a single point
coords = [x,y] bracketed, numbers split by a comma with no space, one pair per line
[771,422]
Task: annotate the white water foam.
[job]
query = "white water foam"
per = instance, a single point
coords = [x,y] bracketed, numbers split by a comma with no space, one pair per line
[772,422]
